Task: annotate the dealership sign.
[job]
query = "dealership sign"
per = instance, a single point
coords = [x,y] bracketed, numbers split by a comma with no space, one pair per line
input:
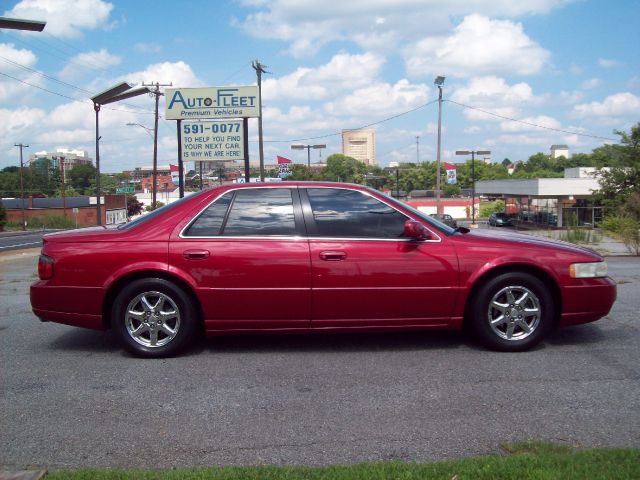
[212,102]
[217,140]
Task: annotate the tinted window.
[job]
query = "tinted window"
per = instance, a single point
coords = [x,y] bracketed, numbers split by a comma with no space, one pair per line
[210,221]
[261,211]
[348,213]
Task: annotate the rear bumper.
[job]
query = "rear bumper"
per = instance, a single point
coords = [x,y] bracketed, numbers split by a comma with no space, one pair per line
[587,302]
[68,305]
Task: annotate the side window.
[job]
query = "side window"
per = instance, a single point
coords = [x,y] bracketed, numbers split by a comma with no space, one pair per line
[261,211]
[349,213]
[210,221]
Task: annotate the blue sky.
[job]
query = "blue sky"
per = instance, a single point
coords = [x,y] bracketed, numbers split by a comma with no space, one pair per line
[567,70]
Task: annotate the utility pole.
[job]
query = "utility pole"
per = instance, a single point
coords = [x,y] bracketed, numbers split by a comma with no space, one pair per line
[157,94]
[24,218]
[260,69]
[62,186]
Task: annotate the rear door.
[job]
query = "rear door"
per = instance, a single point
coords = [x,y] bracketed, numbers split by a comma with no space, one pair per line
[365,273]
[248,255]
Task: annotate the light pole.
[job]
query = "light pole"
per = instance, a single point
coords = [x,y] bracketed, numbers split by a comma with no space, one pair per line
[122,91]
[439,81]
[299,146]
[473,154]
[31,26]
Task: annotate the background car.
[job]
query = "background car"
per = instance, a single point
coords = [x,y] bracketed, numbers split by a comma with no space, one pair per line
[445,218]
[310,257]
[499,219]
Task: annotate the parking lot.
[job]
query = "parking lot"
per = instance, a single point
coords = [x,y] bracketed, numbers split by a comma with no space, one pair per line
[71,398]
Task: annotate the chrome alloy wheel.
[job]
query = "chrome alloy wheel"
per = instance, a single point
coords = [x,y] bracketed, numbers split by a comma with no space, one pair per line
[514,313]
[152,319]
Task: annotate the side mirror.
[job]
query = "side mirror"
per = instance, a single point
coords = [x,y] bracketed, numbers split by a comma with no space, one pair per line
[415,230]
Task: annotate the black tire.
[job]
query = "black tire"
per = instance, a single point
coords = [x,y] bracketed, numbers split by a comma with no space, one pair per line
[511,312]
[154,318]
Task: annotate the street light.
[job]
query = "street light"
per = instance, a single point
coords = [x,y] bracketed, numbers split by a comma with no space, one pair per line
[122,91]
[299,146]
[21,24]
[473,154]
[439,81]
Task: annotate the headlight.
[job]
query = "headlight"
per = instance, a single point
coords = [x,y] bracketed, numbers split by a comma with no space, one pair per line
[588,270]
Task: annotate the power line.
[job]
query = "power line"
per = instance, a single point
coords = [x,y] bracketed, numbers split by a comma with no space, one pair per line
[531,124]
[393,117]
[74,99]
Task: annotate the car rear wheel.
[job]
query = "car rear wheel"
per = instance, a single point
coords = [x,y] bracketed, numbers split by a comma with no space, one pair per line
[512,312]
[153,318]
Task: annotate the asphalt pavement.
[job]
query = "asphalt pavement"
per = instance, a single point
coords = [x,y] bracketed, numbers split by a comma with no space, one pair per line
[71,398]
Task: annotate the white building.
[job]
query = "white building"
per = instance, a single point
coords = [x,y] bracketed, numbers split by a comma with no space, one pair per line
[559,151]
[360,144]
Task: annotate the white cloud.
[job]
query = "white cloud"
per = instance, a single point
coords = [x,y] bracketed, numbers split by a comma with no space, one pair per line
[494,95]
[541,120]
[620,104]
[150,47]
[372,24]
[608,62]
[77,66]
[472,130]
[65,18]
[344,71]
[18,55]
[21,123]
[591,83]
[179,73]
[478,46]
[380,99]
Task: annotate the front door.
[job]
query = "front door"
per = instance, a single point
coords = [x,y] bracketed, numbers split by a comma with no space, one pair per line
[365,273]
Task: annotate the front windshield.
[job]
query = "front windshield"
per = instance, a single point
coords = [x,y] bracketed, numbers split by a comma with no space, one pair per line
[158,211]
[430,220]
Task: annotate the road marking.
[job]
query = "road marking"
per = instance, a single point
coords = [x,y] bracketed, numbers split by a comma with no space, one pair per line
[21,245]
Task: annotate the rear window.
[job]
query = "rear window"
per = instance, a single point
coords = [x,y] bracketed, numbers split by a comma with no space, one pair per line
[157,212]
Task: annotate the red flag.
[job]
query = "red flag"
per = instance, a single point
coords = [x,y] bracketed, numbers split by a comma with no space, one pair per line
[282,160]
[174,168]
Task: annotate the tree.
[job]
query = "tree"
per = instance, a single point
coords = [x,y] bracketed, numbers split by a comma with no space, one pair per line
[82,177]
[134,207]
[341,168]
[620,181]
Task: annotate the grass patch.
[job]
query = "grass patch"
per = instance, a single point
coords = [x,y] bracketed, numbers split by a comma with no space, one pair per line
[522,461]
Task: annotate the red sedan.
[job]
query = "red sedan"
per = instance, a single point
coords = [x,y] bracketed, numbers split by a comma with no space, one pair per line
[305,257]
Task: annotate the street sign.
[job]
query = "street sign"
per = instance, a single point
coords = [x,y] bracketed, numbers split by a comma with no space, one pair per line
[211,102]
[124,189]
[216,140]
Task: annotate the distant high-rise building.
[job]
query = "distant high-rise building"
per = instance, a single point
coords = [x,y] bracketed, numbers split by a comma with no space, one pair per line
[69,158]
[559,151]
[360,144]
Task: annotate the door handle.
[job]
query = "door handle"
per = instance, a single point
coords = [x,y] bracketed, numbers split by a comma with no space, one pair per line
[195,254]
[333,256]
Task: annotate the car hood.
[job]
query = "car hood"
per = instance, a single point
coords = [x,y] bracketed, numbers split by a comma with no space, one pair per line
[504,239]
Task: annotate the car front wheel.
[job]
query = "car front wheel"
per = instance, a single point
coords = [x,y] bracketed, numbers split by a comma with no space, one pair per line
[153,318]
[512,312]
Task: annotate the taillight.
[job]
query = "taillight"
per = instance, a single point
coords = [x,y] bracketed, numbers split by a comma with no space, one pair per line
[45,267]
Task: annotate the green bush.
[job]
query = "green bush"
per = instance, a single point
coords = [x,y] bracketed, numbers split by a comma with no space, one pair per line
[486,209]
[626,229]
[151,208]
[50,221]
